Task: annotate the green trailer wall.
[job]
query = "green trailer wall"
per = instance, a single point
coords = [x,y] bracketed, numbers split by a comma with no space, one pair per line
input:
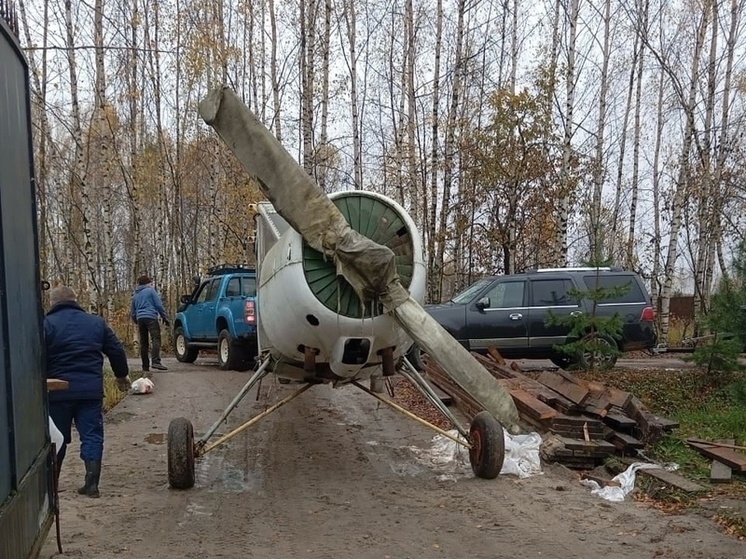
[26,497]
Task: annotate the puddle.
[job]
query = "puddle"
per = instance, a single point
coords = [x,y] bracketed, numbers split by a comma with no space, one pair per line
[155,438]
[214,473]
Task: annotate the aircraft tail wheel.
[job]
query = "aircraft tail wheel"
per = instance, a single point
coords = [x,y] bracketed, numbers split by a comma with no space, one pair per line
[487,450]
[180,454]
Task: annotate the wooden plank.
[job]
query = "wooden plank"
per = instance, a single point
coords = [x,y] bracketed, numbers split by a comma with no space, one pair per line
[725,455]
[673,479]
[55,384]
[720,473]
[573,392]
[499,359]
[623,441]
[619,421]
[532,406]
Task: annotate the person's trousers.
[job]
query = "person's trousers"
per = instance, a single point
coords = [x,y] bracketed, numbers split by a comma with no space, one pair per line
[89,421]
[149,328]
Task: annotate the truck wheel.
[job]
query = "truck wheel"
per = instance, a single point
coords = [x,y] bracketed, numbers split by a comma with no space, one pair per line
[603,357]
[184,353]
[229,354]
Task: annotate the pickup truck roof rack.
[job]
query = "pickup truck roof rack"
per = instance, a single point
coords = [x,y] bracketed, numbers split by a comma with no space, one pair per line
[579,269]
[222,269]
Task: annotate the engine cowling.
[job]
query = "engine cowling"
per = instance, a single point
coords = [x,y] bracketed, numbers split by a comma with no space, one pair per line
[305,306]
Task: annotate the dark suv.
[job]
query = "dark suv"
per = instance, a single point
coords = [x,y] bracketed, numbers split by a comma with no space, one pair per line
[510,312]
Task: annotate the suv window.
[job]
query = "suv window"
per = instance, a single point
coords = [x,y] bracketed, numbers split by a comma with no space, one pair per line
[552,293]
[470,292]
[632,293]
[208,291]
[233,289]
[248,287]
[507,294]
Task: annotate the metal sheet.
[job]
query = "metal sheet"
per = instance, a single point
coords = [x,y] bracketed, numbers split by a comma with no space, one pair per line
[25,468]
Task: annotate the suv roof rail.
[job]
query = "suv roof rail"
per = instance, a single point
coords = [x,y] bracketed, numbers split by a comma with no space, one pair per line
[221,269]
[580,269]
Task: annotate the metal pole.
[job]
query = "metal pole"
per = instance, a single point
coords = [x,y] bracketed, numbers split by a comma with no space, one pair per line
[410,415]
[253,420]
[260,372]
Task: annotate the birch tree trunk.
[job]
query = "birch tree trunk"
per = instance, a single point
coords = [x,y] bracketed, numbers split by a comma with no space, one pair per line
[276,124]
[705,216]
[449,147]
[560,249]
[682,178]
[435,266]
[655,284]
[599,168]
[324,132]
[721,189]
[635,187]
[350,15]
[78,178]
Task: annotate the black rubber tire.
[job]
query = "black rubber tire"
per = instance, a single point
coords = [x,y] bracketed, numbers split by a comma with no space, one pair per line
[562,360]
[230,355]
[180,453]
[487,452]
[414,356]
[184,353]
[607,362]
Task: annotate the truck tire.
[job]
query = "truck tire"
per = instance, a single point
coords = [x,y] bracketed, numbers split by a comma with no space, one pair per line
[598,359]
[230,355]
[184,353]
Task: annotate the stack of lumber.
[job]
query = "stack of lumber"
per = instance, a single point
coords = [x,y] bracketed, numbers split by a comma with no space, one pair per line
[591,421]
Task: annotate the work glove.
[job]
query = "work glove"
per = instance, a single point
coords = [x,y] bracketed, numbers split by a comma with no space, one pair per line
[124,383]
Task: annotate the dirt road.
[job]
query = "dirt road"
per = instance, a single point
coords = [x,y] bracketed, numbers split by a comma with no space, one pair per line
[333,476]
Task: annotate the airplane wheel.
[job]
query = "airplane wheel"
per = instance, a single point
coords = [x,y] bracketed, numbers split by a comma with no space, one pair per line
[487,446]
[180,454]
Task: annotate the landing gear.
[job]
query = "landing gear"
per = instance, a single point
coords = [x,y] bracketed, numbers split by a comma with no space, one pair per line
[180,454]
[183,450]
[487,451]
[485,439]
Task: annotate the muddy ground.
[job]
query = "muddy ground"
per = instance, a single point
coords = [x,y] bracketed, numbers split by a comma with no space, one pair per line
[333,475]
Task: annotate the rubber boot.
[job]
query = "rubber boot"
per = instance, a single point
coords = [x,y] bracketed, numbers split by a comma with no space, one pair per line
[92,476]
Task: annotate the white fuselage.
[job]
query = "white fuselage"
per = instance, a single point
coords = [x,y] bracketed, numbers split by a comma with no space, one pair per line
[291,317]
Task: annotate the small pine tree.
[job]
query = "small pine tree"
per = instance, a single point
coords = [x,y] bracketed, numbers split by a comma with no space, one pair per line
[592,344]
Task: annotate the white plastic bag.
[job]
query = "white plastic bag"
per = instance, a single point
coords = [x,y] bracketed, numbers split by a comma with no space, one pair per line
[522,455]
[626,481]
[142,386]
[55,435]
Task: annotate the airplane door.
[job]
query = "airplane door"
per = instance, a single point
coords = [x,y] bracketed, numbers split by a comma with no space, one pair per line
[499,317]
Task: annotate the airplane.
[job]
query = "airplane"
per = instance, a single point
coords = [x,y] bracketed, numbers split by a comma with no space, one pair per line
[341,282]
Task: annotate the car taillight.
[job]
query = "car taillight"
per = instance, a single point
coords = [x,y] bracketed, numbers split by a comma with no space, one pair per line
[648,314]
[249,315]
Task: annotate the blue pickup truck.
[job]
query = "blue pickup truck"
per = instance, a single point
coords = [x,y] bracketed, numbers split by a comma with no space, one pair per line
[220,314]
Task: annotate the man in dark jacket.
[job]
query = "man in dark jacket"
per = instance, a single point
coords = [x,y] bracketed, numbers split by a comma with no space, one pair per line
[75,342]
[145,308]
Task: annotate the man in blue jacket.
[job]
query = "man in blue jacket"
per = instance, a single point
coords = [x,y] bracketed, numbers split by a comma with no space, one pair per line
[75,342]
[145,308]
